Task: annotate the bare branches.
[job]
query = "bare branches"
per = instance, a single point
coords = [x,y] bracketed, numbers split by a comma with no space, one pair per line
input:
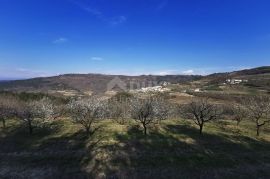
[119,110]
[201,111]
[239,113]
[7,104]
[38,112]
[87,111]
[148,110]
[258,110]
[59,111]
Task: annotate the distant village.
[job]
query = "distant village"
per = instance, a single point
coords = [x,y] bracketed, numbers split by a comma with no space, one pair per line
[235,81]
[163,86]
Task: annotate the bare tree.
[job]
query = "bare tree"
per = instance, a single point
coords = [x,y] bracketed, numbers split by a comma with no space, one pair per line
[35,113]
[119,110]
[162,108]
[59,111]
[201,111]
[87,111]
[258,111]
[148,110]
[239,113]
[7,110]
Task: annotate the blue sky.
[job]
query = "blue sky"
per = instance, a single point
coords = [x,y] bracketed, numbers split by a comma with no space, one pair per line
[49,37]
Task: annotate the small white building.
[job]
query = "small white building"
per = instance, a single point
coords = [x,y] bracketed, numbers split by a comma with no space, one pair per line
[235,81]
[153,89]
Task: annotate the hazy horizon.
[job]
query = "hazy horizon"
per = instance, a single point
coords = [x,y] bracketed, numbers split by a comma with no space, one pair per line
[11,79]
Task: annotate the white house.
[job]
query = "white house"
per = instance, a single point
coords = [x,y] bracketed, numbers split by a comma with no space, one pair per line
[235,81]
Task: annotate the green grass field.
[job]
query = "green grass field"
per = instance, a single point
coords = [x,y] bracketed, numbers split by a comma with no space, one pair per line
[173,149]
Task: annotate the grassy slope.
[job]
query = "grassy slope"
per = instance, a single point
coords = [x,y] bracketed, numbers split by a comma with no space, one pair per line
[173,149]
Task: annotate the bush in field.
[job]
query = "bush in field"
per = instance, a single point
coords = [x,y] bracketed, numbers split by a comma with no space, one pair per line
[35,113]
[258,108]
[87,111]
[148,110]
[201,111]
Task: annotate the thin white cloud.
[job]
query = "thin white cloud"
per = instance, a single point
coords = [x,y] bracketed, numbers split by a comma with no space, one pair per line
[165,72]
[97,59]
[118,20]
[114,20]
[188,72]
[93,11]
[60,40]
[88,8]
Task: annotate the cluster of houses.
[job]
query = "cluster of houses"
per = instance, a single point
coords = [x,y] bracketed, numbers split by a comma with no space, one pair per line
[153,89]
[235,81]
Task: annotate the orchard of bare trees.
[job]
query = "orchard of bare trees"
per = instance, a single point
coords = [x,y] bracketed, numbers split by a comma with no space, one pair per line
[144,110]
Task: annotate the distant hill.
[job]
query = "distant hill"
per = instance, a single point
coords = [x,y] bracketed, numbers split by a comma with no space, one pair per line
[256,77]
[96,83]
[245,72]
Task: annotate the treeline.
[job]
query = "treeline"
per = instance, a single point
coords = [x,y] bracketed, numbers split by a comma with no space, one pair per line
[39,110]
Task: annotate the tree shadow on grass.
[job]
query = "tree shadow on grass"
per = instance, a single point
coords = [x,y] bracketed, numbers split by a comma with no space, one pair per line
[176,151]
[135,155]
[18,138]
[165,155]
[230,140]
[45,155]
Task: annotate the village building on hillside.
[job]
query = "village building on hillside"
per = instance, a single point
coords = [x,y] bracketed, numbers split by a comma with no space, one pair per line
[235,81]
[154,89]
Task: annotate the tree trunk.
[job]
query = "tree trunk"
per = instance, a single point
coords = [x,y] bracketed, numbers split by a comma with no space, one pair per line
[258,130]
[88,131]
[145,129]
[30,127]
[4,123]
[201,128]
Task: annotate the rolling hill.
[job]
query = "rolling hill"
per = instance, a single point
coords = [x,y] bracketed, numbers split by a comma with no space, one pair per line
[98,83]
[89,83]
[256,77]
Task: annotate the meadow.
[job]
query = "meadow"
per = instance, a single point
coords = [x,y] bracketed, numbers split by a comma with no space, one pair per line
[172,149]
